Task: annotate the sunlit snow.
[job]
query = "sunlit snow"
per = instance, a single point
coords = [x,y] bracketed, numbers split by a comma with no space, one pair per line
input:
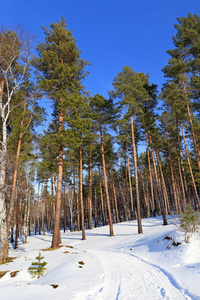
[126,266]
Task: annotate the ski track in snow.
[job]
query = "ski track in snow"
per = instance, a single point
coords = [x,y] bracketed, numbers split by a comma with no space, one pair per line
[128,277]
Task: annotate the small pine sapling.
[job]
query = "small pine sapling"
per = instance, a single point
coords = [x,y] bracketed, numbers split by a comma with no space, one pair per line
[189,223]
[38,268]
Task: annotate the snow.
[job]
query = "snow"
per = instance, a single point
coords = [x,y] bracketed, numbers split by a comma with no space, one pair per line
[127,266]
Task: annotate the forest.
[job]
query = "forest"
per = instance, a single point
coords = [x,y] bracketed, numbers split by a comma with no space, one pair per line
[88,168]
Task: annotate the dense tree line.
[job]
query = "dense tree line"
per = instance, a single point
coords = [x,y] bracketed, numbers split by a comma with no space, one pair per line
[89,164]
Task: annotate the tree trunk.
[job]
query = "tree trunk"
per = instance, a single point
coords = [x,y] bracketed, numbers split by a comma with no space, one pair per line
[105,184]
[123,194]
[190,168]
[114,195]
[191,125]
[56,232]
[126,186]
[157,184]
[130,185]
[146,203]
[3,232]
[77,200]
[172,175]
[136,180]
[104,218]
[150,176]
[81,196]
[90,191]
[167,210]
[180,161]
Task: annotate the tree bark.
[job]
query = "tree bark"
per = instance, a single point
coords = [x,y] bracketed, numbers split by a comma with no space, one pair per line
[56,233]
[130,185]
[104,218]
[136,179]
[190,168]
[150,176]
[3,225]
[90,191]
[81,195]
[191,125]
[105,184]
[157,184]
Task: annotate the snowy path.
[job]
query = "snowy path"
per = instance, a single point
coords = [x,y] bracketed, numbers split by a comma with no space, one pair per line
[127,266]
[127,277]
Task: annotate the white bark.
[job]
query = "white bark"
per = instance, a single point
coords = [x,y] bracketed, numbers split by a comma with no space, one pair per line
[10,52]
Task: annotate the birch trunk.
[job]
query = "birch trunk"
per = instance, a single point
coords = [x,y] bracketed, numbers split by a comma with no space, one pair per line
[3,157]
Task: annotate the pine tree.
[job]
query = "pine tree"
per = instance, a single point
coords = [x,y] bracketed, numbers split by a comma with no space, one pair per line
[103,114]
[129,89]
[189,222]
[61,74]
[38,267]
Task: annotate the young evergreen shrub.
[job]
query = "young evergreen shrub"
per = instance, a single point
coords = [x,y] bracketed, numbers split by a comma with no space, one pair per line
[38,268]
[190,222]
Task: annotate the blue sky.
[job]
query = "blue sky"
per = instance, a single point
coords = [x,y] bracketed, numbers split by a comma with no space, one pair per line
[110,33]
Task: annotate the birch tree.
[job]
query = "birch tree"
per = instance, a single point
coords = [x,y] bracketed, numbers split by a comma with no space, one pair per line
[14,63]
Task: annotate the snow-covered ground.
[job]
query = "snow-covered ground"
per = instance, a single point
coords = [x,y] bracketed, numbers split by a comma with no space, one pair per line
[126,266]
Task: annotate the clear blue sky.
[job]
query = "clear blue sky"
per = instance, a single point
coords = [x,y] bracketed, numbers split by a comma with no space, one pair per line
[110,33]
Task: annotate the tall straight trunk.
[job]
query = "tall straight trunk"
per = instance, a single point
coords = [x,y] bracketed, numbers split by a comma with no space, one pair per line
[139,222]
[123,194]
[178,197]
[130,185]
[12,196]
[3,157]
[191,125]
[157,184]
[95,208]
[146,203]
[81,194]
[182,187]
[77,199]
[114,195]
[112,201]
[104,218]
[175,196]
[189,165]
[56,232]
[52,204]
[105,183]
[167,209]
[90,191]
[150,175]
[126,186]
[26,215]
[180,161]
[17,215]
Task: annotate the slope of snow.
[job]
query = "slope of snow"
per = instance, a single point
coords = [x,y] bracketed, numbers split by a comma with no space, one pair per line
[126,266]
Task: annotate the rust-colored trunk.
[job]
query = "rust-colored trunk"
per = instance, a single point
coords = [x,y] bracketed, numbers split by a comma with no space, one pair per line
[90,191]
[56,232]
[81,194]
[190,168]
[139,221]
[105,184]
